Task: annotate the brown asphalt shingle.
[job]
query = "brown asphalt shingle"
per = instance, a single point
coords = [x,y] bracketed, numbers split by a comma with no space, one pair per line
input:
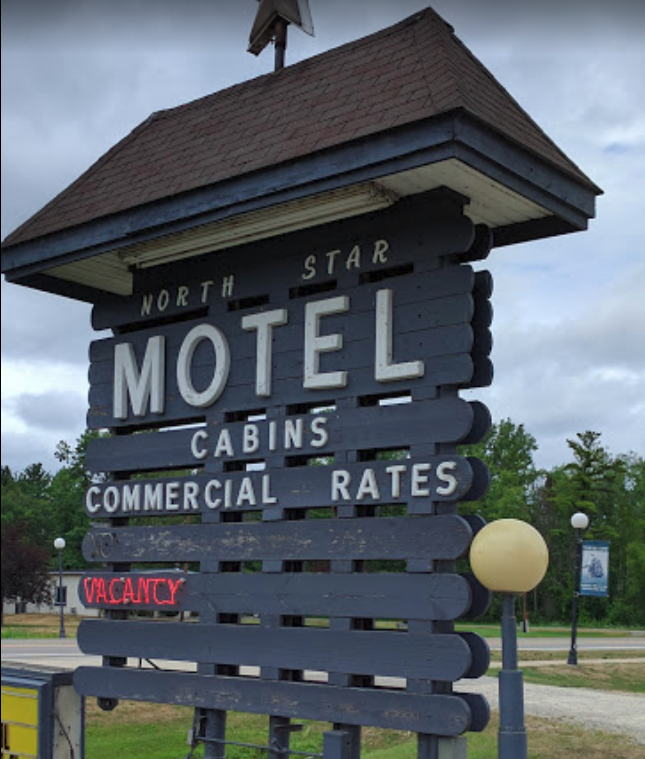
[413,70]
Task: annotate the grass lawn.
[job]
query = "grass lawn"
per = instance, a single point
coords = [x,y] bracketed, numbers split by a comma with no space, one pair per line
[155,731]
[629,677]
[23,626]
[493,631]
[561,656]
[46,626]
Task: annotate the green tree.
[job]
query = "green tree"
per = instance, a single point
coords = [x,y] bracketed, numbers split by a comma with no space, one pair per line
[67,514]
[24,500]
[507,450]
[66,494]
[627,552]
[609,489]
[550,516]
[24,566]
[594,480]
[49,506]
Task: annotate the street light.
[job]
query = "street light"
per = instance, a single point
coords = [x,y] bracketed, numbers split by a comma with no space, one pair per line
[511,557]
[59,545]
[579,522]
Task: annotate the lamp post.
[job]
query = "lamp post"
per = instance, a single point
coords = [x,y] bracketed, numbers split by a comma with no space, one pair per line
[511,557]
[59,545]
[579,522]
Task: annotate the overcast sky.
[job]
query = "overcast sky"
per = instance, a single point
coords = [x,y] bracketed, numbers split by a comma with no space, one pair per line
[569,324]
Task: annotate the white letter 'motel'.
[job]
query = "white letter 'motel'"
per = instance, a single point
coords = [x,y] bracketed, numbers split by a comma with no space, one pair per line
[264,321]
[384,369]
[315,344]
[143,387]
[203,398]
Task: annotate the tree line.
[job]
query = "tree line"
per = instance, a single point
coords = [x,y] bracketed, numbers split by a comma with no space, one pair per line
[38,506]
[609,489]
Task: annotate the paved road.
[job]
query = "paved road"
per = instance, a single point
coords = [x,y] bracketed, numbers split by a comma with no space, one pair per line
[55,652]
[625,643]
[51,652]
[604,710]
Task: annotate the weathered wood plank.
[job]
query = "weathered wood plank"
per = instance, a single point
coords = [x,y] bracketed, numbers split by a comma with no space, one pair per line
[384,595]
[483,339]
[435,331]
[481,423]
[481,597]
[435,296]
[276,261]
[449,369]
[144,452]
[480,654]
[357,321]
[390,709]
[483,287]
[479,710]
[371,652]
[430,537]
[482,375]
[438,478]
[444,420]
[355,354]
[481,479]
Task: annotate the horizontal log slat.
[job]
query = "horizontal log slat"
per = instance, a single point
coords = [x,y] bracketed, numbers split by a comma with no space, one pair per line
[429,537]
[270,272]
[446,715]
[413,312]
[440,596]
[449,369]
[292,487]
[371,652]
[442,420]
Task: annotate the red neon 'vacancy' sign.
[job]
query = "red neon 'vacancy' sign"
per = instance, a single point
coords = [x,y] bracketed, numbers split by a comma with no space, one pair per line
[118,591]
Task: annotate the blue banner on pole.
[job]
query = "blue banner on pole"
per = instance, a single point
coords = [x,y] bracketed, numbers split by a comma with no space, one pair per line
[594,573]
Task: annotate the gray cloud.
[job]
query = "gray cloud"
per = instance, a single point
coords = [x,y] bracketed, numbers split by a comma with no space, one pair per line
[606,334]
[34,423]
[555,404]
[78,75]
[55,411]
[44,328]
[19,449]
[576,371]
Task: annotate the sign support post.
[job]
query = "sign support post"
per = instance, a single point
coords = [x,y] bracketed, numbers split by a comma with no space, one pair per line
[511,557]
[512,732]
[579,522]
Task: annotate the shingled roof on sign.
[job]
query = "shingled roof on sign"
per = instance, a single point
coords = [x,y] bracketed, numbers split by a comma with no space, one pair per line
[406,97]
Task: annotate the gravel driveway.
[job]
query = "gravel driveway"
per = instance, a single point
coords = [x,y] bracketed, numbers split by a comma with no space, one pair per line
[610,711]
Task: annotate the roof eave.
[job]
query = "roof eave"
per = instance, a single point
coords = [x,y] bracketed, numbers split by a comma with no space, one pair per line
[569,199]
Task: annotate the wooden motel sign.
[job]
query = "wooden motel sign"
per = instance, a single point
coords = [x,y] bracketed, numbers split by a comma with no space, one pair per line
[286,268]
[291,411]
